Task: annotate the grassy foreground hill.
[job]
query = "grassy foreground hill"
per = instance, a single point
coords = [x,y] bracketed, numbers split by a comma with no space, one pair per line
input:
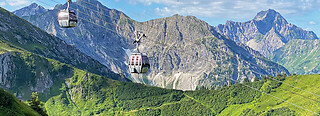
[95,95]
[11,106]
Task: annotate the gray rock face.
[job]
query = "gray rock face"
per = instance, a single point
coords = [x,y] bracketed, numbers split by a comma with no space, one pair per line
[6,66]
[267,32]
[12,78]
[185,52]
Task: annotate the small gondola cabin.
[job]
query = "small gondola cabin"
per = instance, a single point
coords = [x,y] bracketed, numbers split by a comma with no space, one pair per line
[67,19]
[138,63]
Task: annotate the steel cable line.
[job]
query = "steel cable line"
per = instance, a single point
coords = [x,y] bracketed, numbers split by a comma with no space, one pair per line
[279,98]
[294,86]
[89,16]
[110,29]
[186,40]
[294,92]
[84,18]
[167,45]
[102,21]
[225,77]
[192,54]
[95,10]
[250,63]
[91,10]
[105,8]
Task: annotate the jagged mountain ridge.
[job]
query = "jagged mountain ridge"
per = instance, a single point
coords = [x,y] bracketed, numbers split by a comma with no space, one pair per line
[267,32]
[171,68]
[33,9]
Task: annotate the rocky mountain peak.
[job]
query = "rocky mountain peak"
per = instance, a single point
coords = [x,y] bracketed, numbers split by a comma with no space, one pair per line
[32,9]
[265,33]
[268,14]
[178,17]
[93,4]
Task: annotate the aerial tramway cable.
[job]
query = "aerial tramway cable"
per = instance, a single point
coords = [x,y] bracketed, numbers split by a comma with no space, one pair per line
[67,18]
[233,79]
[186,40]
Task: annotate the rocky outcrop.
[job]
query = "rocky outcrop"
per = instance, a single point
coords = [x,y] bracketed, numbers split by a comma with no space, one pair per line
[267,32]
[6,68]
[19,75]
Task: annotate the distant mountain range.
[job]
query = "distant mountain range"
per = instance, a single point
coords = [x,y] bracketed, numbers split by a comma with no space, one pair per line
[186,52]
[267,32]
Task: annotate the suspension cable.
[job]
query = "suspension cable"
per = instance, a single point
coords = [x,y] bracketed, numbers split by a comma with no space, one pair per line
[225,77]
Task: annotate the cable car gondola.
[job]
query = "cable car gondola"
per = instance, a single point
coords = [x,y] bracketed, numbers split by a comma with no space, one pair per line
[138,62]
[67,18]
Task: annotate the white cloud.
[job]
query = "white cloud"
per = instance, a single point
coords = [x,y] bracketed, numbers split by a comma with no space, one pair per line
[2,3]
[235,9]
[18,2]
[308,29]
[312,22]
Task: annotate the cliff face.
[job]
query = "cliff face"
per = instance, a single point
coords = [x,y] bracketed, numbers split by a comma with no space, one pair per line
[267,32]
[6,67]
[184,51]
[25,73]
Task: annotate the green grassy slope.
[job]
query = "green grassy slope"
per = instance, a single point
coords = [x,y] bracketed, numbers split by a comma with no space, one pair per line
[299,56]
[288,93]
[11,106]
[31,71]
[87,94]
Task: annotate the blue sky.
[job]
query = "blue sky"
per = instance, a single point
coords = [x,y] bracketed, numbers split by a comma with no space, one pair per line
[303,13]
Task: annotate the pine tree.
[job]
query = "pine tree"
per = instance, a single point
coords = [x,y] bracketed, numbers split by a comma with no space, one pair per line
[36,105]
